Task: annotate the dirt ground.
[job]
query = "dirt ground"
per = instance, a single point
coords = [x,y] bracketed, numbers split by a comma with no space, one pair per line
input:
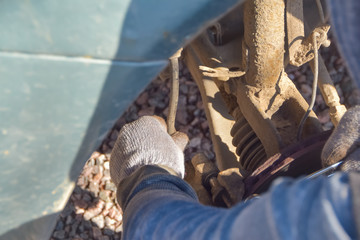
[92,211]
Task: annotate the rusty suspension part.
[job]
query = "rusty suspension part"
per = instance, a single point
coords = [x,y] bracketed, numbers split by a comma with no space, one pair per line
[174,91]
[264,37]
[296,24]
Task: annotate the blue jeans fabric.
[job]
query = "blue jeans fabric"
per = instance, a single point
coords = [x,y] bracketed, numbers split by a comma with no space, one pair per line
[164,206]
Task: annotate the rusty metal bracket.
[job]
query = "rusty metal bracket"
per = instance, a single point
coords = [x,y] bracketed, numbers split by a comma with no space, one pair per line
[174,91]
[304,53]
[301,48]
[221,73]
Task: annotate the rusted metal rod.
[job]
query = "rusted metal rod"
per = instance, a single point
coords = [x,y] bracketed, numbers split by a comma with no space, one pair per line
[174,91]
[266,50]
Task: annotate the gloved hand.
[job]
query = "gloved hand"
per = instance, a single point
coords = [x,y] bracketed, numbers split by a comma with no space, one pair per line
[344,142]
[146,142]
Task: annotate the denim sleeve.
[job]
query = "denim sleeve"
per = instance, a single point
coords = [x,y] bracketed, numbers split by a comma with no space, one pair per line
[163,206]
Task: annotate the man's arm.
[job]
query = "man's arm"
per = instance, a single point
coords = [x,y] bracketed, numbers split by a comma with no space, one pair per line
[163,206]
[158,204]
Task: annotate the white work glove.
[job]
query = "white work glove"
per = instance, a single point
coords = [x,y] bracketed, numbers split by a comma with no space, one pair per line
[344,142]
[146,142]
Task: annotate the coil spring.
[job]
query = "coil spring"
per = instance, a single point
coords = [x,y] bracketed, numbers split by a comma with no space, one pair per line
[248,146]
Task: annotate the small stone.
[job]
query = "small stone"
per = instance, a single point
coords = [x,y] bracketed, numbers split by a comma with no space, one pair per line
[197,113]
[80,211]
[206,144]
[78,217]
[106,165]
[87,225]
[109,205]
[192,99]
[110,186]
[83,181]
[59,234]
[119,228]
[97,177]
[194,122]
[301,79]
[69,208]
[59,225]
[106,173]
[84,235]
[105,195]
[96,232]
[147,111]
[119,217]
[95,154]
[105,148]
[81,203]
[154,102]
[81,227]
[184,89]
[166,111]
[99,221]
[94,211]
[113,212]
[101,159]
[181,116]
[112,143]
[87,198]
[204,125]
[69,220]
[104,238]
[74,228]
[328,126]
[195,142]
[319,100]
[209,154]
[87,171]
[142,99]
[354,98]
[109,222]
[182,101]
[306,90]
[91,162]
[94,188]
[96,169]
[114,134]
[339,91]
[108,231]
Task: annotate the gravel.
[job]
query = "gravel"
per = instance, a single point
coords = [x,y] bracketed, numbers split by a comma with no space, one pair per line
[92,211]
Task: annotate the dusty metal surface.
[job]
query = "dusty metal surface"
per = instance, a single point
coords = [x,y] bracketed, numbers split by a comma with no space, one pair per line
[264,37]
[304,53]
[174,91]
[329,93]
[248,73]
[275,113]
[269,103]
[294,26]
[220,121]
